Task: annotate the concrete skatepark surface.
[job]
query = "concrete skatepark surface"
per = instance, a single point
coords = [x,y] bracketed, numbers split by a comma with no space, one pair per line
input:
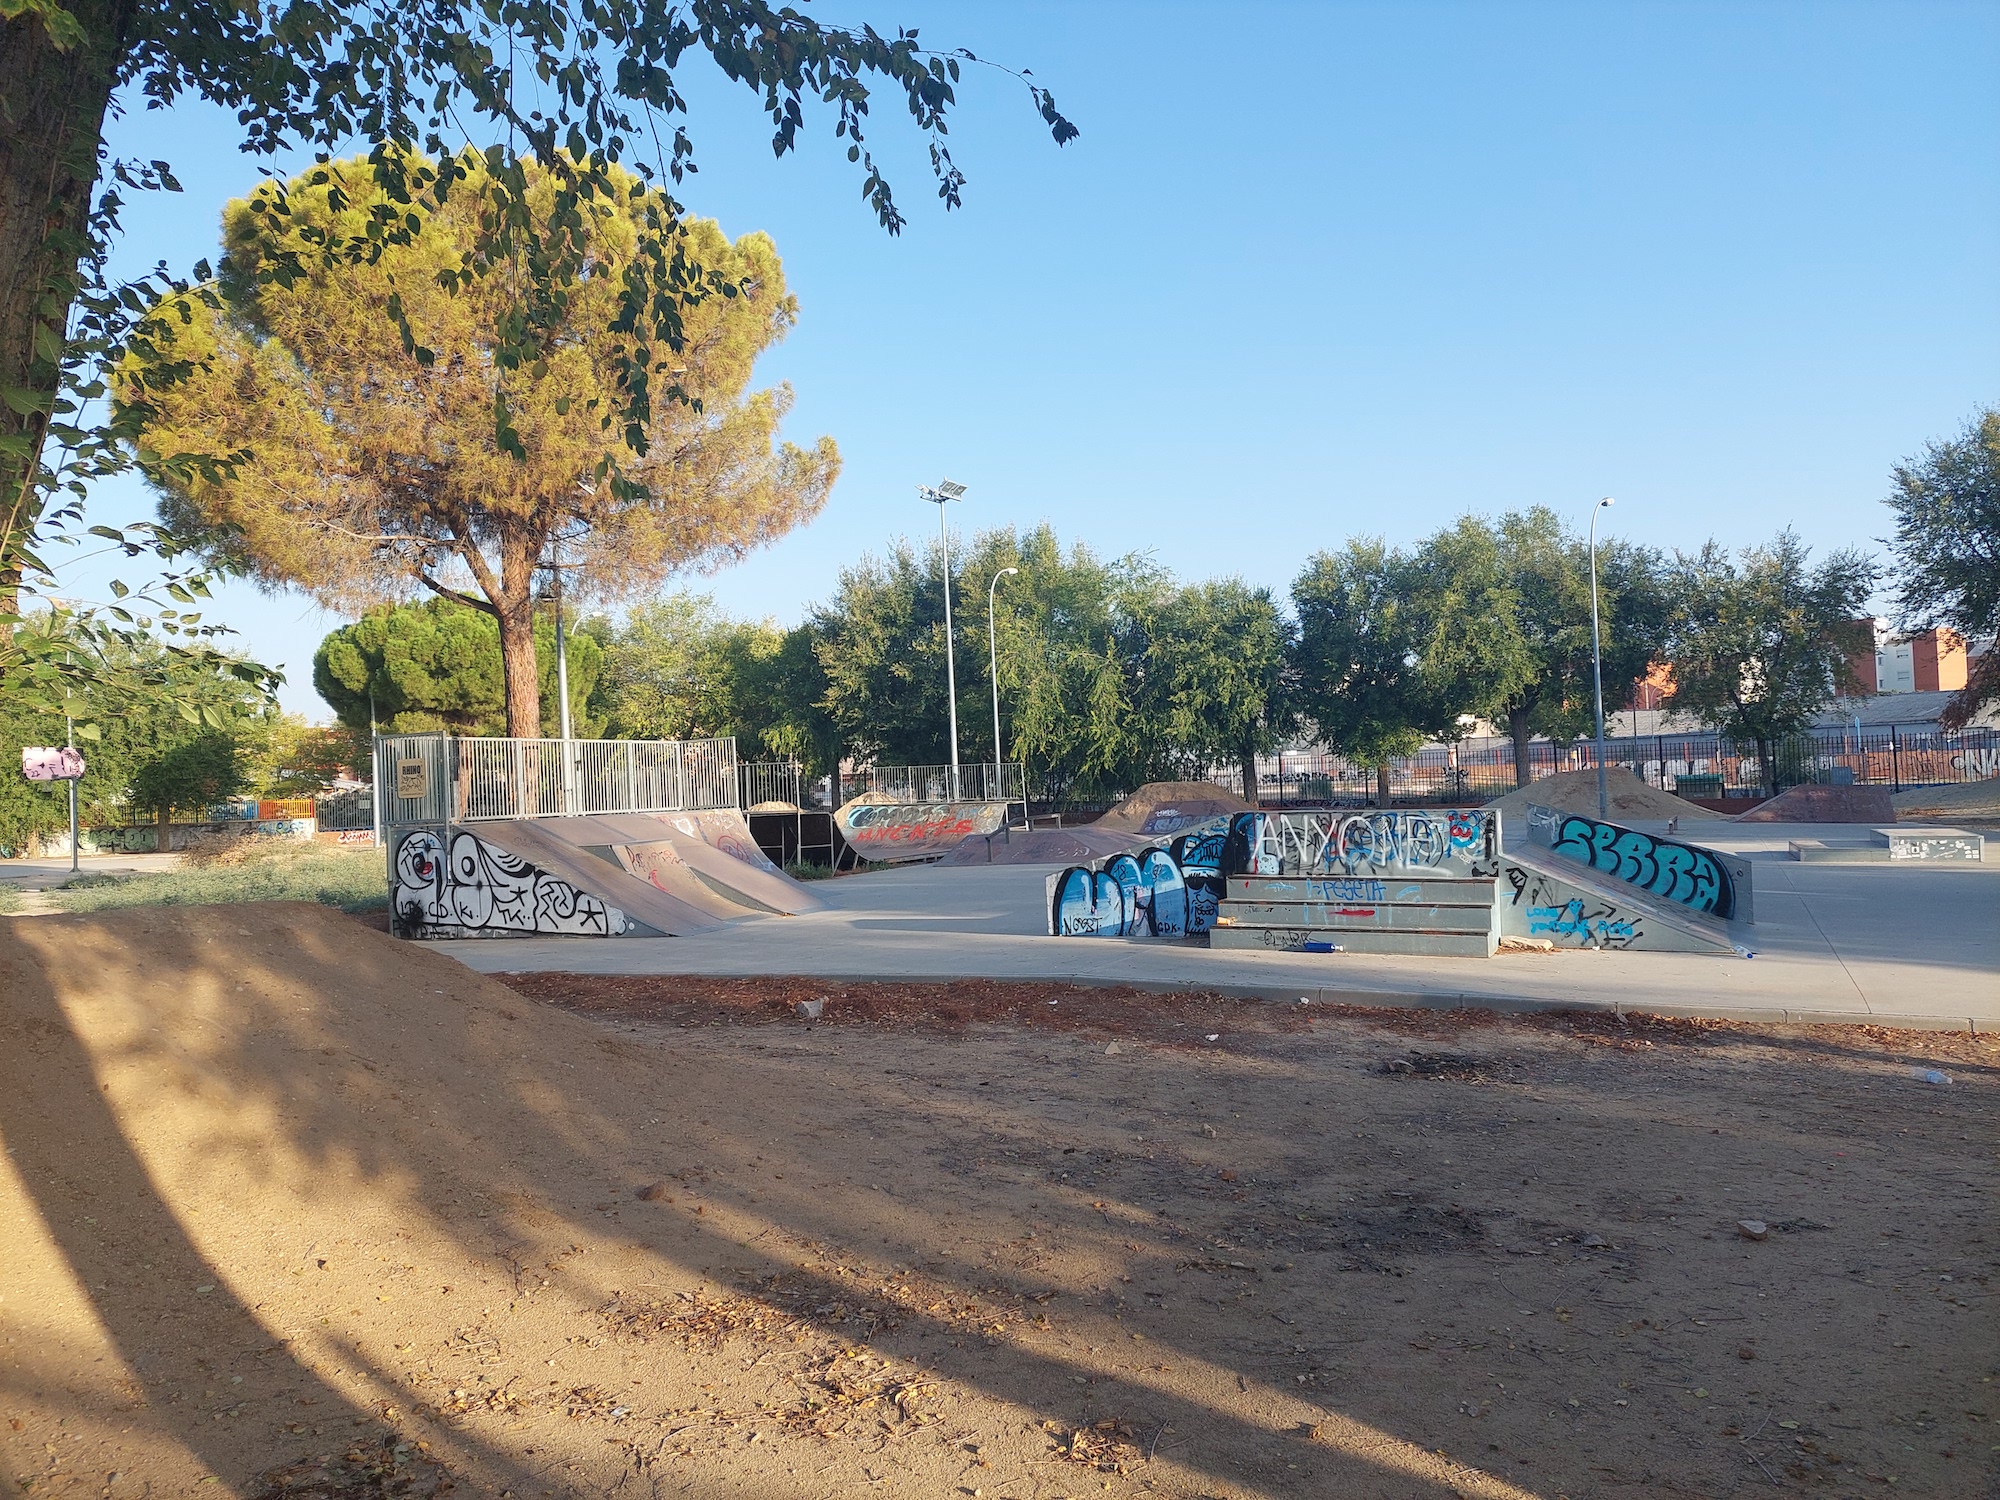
[1903,946]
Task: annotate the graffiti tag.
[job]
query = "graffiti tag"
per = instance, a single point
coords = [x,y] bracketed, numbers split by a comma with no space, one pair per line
[1682,873]
[480,890]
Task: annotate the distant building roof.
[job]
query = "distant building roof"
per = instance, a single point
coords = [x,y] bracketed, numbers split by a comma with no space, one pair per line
[1879,712]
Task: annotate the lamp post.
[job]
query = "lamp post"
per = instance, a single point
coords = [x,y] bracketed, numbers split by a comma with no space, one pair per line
[945,490]
[993,669]
[1597,662]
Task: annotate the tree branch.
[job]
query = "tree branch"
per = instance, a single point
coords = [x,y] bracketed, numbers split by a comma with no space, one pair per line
[453,594]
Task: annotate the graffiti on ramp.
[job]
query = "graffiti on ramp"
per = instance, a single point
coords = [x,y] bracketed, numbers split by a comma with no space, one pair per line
[480,890]
[891,831]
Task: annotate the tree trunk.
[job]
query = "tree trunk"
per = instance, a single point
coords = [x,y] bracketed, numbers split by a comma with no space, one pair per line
[52,106]
[1517,727]
[1250,787]
[1767,768]
[1381,783]
[515,609]
[163,838]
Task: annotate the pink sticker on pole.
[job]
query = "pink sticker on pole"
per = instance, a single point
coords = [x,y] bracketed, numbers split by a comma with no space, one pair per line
[51,763]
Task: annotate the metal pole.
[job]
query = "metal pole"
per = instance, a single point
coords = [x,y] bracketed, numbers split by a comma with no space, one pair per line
[993,673]
[950,669]
[1597,664]
[69,740]
[562,655]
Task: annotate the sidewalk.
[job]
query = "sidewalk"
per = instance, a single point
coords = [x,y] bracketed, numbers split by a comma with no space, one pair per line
[1902,945]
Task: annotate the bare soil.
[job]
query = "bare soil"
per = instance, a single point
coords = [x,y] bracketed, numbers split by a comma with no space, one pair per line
[290,1209]
[1576,791]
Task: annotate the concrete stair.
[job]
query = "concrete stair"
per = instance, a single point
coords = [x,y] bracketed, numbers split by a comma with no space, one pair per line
[1434,916]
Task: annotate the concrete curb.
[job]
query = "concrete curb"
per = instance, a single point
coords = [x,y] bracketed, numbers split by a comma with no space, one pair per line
[1422,1000]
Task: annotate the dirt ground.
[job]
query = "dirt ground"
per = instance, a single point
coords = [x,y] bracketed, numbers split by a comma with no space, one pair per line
[290,1209]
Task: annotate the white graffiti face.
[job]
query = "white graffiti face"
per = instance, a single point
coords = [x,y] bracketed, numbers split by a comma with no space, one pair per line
[480,889]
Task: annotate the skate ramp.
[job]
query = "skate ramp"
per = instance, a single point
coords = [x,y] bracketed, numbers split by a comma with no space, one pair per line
[1042,846]
[1825,804]
[718,845]
[895,832]
[1546,898]
[1161,808]
[587,859]
[1701,881]
[715,848]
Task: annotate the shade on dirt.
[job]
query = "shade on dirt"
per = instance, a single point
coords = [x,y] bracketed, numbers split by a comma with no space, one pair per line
[1630,799]
[284,1198]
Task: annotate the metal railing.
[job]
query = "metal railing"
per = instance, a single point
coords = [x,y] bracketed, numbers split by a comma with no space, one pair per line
[770,781]
[435,778]
[966,783]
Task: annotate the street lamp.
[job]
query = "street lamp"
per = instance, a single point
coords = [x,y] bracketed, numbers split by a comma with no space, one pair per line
[1597,662]
[938,494]
[993,666]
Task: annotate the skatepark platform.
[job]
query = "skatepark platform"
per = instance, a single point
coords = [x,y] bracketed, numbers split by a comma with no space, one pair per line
[1908,945]
[601,875]
[1918,842]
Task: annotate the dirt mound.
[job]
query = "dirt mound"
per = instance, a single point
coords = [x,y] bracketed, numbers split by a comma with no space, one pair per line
[1162,807]
[1971,799]
[1043,846]
[1825,804]
[1632,801]
[289,1210]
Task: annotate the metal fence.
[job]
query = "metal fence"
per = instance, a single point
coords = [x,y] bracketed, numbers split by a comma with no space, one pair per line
[974,783]
[345,812]
[434,778]
[1694,765]
[765,782]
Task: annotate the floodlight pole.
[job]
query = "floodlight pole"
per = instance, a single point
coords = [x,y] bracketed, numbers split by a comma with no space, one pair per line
[938,495]
[1597,663]
[993,675]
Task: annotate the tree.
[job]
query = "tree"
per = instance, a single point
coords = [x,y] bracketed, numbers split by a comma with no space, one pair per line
[678,669]
[1466,620]
[600,75]
[1546,564]
[1068,645]
[1358,659]
[190,696]
[366,467]
[1213,676]
[191,775]
[287,755]
[1758,649]
[1947,550]
[435,667]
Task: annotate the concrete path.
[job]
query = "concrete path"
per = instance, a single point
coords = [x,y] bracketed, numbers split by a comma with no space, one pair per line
[45,873]
[1900,945]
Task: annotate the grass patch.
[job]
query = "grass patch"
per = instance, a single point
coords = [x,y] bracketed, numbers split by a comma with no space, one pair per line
[800,871]
[273,870]
[10,899]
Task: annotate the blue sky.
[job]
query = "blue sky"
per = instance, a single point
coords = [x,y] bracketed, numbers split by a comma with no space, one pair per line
[1322,270]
